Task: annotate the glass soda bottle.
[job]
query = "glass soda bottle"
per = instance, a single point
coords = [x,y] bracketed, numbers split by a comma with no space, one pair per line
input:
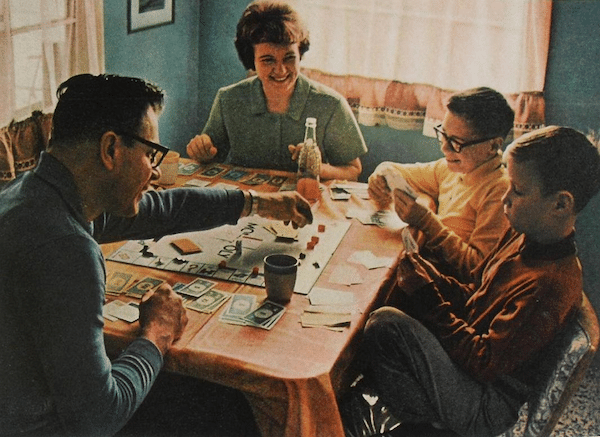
[309,163]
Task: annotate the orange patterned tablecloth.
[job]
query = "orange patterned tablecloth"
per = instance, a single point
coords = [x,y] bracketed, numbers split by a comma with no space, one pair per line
[291,375]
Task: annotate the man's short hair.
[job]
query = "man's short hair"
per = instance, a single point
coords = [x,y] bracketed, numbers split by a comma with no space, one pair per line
[485,109]
[88,106]
[565,159]
[269,21]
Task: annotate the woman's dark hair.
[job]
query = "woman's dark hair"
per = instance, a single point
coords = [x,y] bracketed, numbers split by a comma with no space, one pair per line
[268,21]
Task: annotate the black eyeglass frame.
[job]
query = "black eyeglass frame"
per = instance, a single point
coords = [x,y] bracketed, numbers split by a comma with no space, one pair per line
[456,145]
[157,147]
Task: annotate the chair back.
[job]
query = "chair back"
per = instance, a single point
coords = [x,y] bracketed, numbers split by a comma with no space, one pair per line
[21,144]
[569,357]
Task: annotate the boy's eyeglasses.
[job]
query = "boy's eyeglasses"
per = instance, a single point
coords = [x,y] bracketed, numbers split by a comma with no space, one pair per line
[159,152]
[456,145]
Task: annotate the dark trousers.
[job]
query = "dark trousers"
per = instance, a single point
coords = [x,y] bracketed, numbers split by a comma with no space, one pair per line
[417,380]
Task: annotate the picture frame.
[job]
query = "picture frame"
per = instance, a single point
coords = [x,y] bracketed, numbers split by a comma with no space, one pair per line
[146,14]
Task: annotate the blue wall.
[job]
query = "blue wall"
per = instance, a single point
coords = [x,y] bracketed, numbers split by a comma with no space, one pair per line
[195,56]
[167,55]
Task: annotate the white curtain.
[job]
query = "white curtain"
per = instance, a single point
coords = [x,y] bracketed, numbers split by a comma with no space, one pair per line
[450,45]
[75,46]
[6,68]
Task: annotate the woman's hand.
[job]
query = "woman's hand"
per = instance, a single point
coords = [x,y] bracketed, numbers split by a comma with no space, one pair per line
[295,150]
[201,149]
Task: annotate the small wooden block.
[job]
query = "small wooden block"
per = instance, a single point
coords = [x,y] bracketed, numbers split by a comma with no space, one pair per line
[255,271]
[310,245]
[315,239]
[223,264]
[186,246]
[321,228]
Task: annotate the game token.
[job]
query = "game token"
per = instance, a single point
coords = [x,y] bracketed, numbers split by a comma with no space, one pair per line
[310,245]
[302,255]
[321,228]
[315,239]
[255,271]
[223,264]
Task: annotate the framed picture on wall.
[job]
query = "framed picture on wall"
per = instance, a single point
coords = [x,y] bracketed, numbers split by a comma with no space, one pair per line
[143,14]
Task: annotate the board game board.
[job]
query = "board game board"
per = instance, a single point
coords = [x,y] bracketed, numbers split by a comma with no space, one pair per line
[236,252]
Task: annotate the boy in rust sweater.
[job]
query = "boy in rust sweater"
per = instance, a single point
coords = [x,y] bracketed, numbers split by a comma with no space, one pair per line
[462,356]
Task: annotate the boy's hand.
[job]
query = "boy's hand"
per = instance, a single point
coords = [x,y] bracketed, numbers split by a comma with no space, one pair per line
[201,148]
[408,209]
[162,317]
[379,191]
[414,273]
[288,206]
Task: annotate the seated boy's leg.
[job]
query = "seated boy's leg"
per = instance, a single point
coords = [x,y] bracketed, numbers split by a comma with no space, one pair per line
[417,380]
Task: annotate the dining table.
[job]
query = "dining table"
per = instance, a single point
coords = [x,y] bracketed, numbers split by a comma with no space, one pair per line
[292,375]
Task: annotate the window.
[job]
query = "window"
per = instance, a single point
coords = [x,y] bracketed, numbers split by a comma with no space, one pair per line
[432,45]
[42,43]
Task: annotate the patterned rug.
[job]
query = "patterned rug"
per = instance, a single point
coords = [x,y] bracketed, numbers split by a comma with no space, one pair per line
[581,418]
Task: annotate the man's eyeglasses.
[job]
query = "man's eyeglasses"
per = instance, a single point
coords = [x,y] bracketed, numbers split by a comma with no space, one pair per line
[157,155]
[456,145]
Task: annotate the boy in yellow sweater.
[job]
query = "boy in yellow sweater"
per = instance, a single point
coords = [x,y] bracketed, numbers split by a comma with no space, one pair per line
[466,185]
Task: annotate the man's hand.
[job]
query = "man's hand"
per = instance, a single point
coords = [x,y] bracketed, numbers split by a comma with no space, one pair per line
[201,148]
[162,317]
[288,206]
[408,209]
[414,273]
[379,191]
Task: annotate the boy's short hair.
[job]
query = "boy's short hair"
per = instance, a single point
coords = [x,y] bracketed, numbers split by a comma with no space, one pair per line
[564,158]
[268,21]
[485,109]
[88,106]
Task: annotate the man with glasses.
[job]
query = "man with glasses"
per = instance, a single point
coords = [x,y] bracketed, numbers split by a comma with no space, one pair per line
[466,185]
[91,187]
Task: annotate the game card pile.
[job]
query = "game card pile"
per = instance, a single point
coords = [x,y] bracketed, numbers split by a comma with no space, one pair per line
[235,174]
[331,309]
[117,309]
[370,260]
[243,310]
[359,189]
[207,299]
[384,218]
[117,283]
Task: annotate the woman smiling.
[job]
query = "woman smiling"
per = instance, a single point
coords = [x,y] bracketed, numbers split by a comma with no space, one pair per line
[259,122]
